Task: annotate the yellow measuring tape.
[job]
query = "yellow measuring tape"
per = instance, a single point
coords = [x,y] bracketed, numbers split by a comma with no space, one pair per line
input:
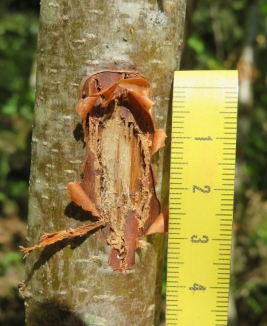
[201,197]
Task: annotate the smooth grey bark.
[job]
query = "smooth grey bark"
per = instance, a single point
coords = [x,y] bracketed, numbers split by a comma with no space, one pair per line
[75,286]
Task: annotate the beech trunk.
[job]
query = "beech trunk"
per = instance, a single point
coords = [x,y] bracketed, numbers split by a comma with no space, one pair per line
[73,284]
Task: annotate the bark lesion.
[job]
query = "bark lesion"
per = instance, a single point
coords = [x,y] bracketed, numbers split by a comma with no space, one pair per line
[117,182]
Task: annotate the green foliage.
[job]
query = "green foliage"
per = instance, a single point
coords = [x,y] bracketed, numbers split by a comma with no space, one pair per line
[17,53]
[218,33]
[8,259]
[18,35]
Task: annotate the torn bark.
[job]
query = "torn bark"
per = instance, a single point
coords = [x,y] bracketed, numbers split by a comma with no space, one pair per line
[117,184]
[66,286]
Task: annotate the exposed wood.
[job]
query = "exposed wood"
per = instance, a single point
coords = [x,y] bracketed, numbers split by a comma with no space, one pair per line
[117,181]
[76,286]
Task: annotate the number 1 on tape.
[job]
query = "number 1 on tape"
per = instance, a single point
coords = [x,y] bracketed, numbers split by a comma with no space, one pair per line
[204,121]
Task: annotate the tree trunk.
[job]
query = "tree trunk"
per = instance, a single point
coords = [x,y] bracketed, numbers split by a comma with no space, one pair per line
[76,286]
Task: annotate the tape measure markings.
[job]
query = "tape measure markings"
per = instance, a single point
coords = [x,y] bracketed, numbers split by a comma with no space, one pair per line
[183,259]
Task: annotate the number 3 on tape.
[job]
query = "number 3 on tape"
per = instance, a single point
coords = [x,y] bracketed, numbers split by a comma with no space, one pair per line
[204,120]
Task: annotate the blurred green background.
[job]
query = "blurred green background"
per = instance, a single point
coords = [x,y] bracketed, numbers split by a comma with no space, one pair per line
[225,34]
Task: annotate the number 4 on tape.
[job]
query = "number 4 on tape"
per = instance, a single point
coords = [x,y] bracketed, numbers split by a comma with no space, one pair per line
[204,120]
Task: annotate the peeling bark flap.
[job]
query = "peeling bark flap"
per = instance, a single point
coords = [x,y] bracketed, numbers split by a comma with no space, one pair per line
[117,182]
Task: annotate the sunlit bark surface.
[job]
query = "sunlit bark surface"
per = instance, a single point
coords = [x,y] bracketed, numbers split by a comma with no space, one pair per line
[73,284]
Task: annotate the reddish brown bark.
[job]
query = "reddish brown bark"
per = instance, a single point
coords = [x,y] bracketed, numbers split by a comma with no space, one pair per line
[117,183]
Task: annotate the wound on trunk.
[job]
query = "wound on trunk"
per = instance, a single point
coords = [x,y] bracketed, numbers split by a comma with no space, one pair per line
[117,183]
